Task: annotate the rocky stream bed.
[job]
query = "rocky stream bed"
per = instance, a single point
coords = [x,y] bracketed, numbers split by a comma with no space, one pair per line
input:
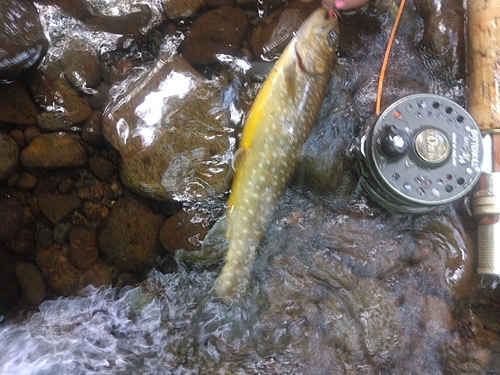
[118,122]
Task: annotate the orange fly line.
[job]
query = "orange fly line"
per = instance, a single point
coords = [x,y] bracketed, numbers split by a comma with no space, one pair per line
[386,57]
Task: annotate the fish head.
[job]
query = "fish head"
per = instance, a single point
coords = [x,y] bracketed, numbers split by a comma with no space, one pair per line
[316,44]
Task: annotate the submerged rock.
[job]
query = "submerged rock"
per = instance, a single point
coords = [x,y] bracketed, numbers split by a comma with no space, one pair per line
[53,150]
[16,105]
[9,156]
[22,37]
[129,235]
[219,30]
[172,133]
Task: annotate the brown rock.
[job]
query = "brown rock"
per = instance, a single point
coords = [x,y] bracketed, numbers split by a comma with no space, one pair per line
[31,282]
[23,40]
[9,156]
[101,168]
[16,105]
[270,39]
[181,8]
[158,160]
[81,65]
[57,271]
[22,244]
[54,93]
[94,213]
[26,181]
[83,250]
[218,31]
[55,207]
[129,235]
[30,133]
[51,122]
[11,217]
[184,230]
[53,150]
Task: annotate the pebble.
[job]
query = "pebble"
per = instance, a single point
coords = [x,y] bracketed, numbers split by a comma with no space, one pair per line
[129,235]
[22,36]
[60,232]
[51,122]
[30,280]
[92,130]
[16,105]
[183,230]
[83,251]
[9,156]
[26,181]
[219,30]
[53,150]
[55,207]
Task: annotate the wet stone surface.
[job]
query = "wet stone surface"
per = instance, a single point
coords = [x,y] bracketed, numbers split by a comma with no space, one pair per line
[115,154]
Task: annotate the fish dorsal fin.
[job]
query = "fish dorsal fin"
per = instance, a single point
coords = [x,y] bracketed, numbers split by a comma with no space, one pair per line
[239,158]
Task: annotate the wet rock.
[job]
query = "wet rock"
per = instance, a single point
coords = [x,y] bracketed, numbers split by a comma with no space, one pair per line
[442,46]
[55,207]
[217,31]
[271,38]
[74,8]
[132,23]
[57,271]
[53,150]
[83,251]
[22,244]
[16,105]
[94,213]
[31,282]
[81,65]
[65,278]
[181,8]
[60,232]
[184,230]
[129,235]
[174,144]
[23,40]
[51,122]
[10,291]
[99,96]
[101,168]
[11,217]
[18,136]
[9,156]
[26,181]
[30,133]
[54,94]
[43,236]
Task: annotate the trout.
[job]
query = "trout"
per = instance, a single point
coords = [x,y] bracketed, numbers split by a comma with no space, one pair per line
[277,126]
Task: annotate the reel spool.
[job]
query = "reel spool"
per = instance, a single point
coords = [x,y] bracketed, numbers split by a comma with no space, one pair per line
[423,151]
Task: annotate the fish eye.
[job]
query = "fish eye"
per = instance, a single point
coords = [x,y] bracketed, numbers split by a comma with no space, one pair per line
[331,38]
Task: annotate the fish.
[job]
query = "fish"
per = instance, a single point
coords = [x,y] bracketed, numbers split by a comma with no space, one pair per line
[277,125]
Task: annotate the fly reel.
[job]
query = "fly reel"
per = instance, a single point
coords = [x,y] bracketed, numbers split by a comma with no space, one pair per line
[423,151]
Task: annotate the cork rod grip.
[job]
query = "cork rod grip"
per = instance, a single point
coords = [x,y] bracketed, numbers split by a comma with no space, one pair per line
[484,62]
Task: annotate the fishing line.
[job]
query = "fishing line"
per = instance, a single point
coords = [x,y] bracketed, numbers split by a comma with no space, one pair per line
[386,57]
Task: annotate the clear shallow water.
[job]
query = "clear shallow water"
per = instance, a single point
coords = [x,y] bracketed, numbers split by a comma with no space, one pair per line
[349,293]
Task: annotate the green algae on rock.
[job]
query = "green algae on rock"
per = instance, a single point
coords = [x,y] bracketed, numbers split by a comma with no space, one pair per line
[173,135]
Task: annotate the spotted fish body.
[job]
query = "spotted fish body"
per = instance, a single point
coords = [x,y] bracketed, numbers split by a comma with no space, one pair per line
[277,126]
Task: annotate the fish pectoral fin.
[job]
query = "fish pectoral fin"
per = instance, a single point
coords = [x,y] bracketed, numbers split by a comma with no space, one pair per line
[213,247]
[239,158]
